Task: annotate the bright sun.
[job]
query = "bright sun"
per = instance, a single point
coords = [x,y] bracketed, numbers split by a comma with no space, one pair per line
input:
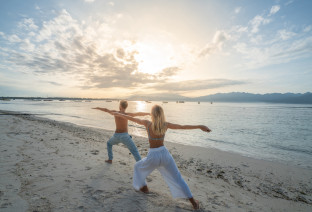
[153,57]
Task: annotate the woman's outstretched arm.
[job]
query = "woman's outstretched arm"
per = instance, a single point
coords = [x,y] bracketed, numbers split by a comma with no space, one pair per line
[187,127]
[136,120]
[138,114]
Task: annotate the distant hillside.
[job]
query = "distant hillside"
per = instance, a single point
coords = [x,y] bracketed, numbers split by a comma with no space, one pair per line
[305,98]
[298,98]
[160,97]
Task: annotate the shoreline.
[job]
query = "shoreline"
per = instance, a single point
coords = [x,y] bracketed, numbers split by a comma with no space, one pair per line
[60,166]
[209,149]
[269,160]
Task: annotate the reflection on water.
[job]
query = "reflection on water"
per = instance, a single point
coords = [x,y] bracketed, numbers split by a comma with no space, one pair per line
[141,106]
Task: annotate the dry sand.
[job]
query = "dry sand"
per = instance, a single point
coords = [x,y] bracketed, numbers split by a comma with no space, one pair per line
[54,166]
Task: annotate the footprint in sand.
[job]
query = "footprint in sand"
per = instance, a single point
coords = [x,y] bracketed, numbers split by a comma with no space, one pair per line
[88,168]
[95,152]
[99,192]
[6,204]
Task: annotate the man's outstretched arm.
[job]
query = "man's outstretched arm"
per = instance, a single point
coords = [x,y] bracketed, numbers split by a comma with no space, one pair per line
[105,110]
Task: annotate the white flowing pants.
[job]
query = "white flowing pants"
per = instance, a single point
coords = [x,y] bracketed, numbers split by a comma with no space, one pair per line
[161,159]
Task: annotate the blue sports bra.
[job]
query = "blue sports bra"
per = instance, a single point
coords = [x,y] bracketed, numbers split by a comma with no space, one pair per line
[154,139]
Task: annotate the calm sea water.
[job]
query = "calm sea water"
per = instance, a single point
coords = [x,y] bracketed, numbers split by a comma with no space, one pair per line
[279,132]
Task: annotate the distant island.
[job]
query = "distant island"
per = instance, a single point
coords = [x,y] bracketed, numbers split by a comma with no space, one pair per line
[305,98]
[291,98]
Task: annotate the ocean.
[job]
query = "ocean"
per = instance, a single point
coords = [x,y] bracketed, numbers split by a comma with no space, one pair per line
[274,132]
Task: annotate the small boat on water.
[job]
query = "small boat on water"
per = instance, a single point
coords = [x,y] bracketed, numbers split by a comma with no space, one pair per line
[148,102]
[47,100]
[180,102]
[5,99]
[165,102]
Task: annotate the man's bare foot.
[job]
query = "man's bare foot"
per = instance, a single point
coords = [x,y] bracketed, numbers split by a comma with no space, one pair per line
[109,161]
[144,189]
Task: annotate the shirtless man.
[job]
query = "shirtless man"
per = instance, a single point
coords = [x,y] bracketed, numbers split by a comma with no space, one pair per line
[121,133]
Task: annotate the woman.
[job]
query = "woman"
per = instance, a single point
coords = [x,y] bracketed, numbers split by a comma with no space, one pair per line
[159,157]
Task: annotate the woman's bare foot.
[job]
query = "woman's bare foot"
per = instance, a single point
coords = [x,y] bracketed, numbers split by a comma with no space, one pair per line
[109,161]
[196,206]
[195,203]
[144,189]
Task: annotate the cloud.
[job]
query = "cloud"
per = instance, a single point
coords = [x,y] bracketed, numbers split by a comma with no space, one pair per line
[276,53]
[89,1]
[285,35]
[191,85]
[263,49]
[86,53]
[52,83]
[298,48]
[61,27]
[168,72]
[256,22]
[14,39]
[27,46]
[307,28]
[274,9]
[275,47]
[218,41]
[237,10]
[27,24]
[289,2]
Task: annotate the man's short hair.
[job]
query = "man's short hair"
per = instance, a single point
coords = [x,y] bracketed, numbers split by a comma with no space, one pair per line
[123,104]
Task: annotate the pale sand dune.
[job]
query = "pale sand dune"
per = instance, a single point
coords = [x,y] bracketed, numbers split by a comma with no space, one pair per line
[53,166]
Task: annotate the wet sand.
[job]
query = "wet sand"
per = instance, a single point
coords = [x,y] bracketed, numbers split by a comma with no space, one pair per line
[47,165]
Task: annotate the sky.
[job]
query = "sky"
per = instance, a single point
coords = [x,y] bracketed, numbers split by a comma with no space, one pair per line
[117,49]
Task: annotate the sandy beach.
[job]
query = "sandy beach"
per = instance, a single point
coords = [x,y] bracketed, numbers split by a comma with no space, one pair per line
[47,165]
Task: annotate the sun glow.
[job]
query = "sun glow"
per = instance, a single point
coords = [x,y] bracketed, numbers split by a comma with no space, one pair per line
[141,106]
[153,57]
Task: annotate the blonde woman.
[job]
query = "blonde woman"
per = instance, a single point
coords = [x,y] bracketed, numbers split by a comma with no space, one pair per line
[159,157]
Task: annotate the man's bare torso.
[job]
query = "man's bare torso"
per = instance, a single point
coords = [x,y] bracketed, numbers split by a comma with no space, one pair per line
[121,124]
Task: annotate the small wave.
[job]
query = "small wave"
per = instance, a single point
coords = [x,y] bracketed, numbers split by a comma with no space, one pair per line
[218,141]
[295,107]
[131,125]
[225,142]
[58,114]
[78,117]
[292,149]
[47,114]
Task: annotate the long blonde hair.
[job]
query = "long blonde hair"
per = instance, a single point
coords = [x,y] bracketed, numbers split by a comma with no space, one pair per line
[159,126]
